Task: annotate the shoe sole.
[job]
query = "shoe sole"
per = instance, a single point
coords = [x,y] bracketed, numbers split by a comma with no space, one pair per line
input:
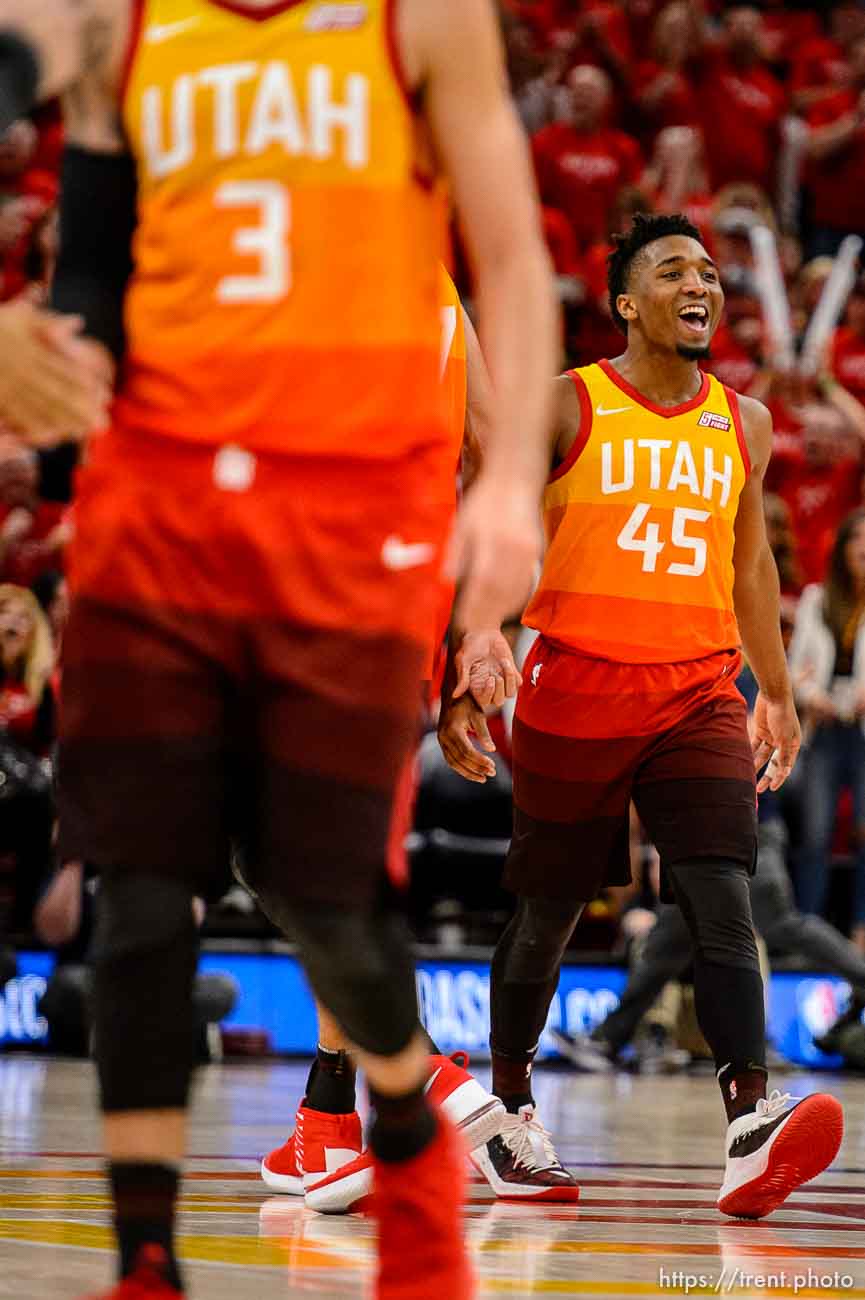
[566,1194]
[352,1194]
[288,1184]
[808,1143]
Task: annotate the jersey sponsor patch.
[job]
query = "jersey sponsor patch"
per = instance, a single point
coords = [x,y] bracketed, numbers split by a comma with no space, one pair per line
[709,420]
[336,18]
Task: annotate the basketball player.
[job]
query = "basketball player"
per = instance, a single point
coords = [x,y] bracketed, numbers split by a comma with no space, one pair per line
[657,567]
[262,529]
[324,1154]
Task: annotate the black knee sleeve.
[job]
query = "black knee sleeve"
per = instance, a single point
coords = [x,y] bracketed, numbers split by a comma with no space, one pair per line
[359,964]
[525,973]
[145,954]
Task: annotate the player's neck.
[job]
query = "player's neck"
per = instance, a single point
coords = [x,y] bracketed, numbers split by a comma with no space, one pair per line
[663,378]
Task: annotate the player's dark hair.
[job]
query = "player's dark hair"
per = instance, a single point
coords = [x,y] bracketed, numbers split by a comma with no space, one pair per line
[646,229]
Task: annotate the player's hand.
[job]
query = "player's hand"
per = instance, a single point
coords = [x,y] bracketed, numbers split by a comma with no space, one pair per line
[486,669]
[457,722]
[775,740]
[53,384]
[494,551]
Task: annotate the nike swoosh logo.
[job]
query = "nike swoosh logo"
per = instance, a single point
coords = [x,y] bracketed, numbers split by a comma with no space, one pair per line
[612,410]
[431,1080]
[397,554]
[164,31]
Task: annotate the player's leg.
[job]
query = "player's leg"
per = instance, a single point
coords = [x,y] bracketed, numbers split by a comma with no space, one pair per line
[327,1129]
[570,823]
[695,796]
[523,979]
[157,841]
[332,740]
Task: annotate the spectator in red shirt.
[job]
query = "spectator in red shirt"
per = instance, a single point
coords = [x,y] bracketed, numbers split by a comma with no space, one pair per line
[820,482]
[532,79]
[819,65]
[596,335]
[33,533]
[741,103]
[836,148]
[662,88]
[847,357]
[737,348]
[26,194]
[676,177]
[581,163]
[596,32]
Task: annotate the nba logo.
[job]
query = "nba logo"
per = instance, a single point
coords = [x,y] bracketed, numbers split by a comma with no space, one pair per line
[536,672]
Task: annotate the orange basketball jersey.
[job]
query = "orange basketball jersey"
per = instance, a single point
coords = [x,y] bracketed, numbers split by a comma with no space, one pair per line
[640,525]
[453,363]
[286,286]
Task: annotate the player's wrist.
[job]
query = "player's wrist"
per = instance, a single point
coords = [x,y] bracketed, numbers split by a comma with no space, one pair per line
[778,692]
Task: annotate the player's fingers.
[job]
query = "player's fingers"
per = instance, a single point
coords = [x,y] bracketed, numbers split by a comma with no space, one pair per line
[483,690]
[512,679]
[462,756]
[762,750]
[463,675]
[482,732]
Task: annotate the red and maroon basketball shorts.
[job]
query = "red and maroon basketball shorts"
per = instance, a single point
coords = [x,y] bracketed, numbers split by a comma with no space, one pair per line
[590,736]
[243,662]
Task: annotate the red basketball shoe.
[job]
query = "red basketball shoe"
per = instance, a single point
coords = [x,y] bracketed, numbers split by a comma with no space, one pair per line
[476,1113]
[320,1145]
[776,1149]
[419,1206]
[146,1282]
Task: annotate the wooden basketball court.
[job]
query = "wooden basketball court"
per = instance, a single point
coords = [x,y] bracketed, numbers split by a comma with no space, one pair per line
[647,1153]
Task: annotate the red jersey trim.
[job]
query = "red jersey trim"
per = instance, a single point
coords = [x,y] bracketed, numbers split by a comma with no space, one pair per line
[733,403]
[582,437]
[136,20]
[667,411]
[257,15]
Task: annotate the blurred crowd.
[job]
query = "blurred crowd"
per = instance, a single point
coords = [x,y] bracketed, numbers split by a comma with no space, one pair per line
[739,115]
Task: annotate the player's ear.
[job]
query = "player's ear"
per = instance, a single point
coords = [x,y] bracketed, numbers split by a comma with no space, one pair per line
[626,306]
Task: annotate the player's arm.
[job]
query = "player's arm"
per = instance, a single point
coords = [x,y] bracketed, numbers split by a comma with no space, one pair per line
[480,664]
[453,57]
[98,190]
[461,716]
[756,597]
[480,406]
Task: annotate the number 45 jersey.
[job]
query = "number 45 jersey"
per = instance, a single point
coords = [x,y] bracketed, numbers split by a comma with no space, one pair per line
[285,292]
[640,525]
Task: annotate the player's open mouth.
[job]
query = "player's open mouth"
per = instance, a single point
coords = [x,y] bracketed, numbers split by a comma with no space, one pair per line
[695,318]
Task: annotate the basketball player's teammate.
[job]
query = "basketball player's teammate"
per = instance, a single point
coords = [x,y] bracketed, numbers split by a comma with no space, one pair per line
[324,1154]
[262,530]
[657,567]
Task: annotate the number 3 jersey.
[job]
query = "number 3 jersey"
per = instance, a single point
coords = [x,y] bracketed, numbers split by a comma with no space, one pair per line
[640,525]
[285,294]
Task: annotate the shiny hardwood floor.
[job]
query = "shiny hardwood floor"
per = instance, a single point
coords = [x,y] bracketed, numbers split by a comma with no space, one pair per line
[647,1153]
